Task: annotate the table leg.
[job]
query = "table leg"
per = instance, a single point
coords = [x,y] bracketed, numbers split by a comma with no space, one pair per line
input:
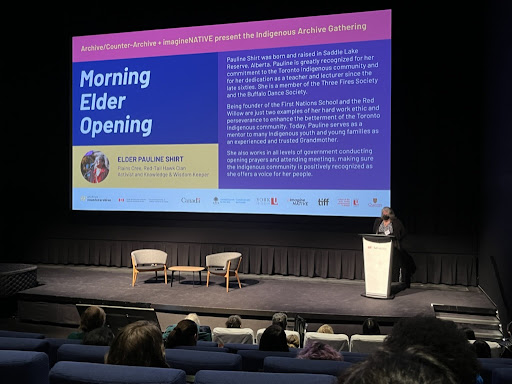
[172,277]
[200,282]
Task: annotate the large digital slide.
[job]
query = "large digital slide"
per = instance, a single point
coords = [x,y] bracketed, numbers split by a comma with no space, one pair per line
[288,117]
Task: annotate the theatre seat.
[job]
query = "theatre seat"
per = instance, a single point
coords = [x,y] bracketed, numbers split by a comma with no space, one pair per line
[366,343]
[24,344]
[502,376]
[489,365]
[29,335]
[224,335]
[287,365]
[203,343]
[201,348]
[27,367]
[83,353]
[252,360]
[354,357]
[73,372]
[193,361]
[288,332]
[54,345]
[233,377]
[235,347]
[339,341]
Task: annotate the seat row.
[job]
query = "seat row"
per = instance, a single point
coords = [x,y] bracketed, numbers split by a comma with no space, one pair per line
[339,341]
[204,356]
[32,367]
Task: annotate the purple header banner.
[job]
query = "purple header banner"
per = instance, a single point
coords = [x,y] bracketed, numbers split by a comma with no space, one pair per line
[351,27]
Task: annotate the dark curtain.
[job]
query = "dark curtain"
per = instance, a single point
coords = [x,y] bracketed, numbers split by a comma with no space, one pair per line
[435,268]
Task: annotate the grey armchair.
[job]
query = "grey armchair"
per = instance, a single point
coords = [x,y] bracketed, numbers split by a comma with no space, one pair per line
[224,264]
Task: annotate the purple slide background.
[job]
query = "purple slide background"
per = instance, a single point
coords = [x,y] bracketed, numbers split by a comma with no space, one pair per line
[377,178]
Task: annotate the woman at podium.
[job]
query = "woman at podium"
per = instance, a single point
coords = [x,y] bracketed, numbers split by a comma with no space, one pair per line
[388,224]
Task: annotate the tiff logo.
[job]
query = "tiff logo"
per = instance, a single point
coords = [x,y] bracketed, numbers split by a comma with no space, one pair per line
[323,202]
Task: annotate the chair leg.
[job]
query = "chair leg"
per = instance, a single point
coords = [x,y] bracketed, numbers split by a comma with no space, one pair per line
[134,277]
[208,278]
[239,284]
[228,268]
[165,274]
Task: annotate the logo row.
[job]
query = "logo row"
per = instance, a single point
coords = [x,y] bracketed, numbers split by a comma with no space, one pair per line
[322,201]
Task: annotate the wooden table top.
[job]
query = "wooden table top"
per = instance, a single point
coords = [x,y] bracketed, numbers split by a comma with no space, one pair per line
[186,268]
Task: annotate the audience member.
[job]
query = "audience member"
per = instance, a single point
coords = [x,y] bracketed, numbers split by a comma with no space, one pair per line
[184,333]
[280,318]
[414,365]
[293,341]
[273,339]
[317,350]
[326,328]
[93,317]
[482,349]
[193,316]
[139,343]
[371,327]
[506,343]
[204,333]
[99,336]
[234,321]
[470,334]
[440,338]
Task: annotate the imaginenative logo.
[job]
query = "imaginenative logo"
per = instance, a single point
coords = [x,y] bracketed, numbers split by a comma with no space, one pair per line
[302,202]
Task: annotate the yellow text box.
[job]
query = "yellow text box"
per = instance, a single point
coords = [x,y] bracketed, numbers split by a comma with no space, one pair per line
[147,166]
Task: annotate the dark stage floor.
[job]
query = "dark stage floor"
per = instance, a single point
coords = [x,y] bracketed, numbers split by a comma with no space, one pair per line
[315,299]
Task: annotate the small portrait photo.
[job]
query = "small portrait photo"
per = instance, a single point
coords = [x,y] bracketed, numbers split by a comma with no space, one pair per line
[94,166]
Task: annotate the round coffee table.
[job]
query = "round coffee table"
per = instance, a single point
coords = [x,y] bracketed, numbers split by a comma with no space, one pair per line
[186,268]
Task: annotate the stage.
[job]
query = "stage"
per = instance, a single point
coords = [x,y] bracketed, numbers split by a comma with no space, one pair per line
[317,300]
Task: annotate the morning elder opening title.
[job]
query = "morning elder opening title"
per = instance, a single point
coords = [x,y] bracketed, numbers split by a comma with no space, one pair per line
[102,101]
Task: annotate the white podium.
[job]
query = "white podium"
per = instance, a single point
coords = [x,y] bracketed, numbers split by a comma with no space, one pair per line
[378,262]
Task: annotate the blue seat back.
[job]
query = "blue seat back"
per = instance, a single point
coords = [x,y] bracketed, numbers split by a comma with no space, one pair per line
[287,365]
[488,365]
[203,343]
[252,360]
[30,335]
[73,372]
[83,353]
[235,347]
[495,360]
[28,367]
[201,348]
[502,375]
[55,343]
[192,361]
[24,344]
[354,357]
[239,377]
